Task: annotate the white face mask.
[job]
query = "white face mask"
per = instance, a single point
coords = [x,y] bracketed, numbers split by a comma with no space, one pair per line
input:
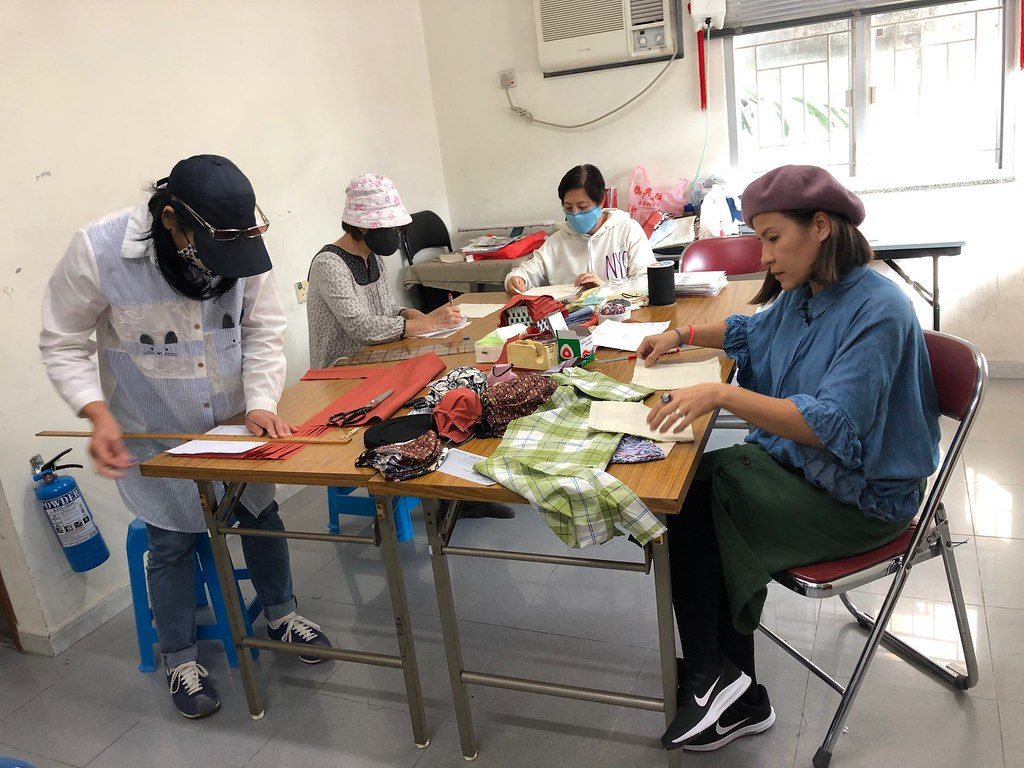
[189,254]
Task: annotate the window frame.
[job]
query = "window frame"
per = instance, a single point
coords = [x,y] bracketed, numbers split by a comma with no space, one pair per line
[860,46]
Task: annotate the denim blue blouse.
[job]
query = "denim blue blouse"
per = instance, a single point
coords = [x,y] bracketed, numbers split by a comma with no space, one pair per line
[853,360]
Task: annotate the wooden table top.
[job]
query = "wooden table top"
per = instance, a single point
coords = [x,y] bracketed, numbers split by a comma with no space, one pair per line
[661,484]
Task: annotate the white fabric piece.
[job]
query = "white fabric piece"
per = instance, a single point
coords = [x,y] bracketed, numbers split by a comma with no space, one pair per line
[630,419]
[676,375]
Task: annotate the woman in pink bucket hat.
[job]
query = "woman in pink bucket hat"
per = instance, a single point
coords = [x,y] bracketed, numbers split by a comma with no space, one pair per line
[350,304]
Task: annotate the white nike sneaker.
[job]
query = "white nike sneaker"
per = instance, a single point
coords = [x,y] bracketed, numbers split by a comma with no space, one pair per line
[705,692]
[738,720]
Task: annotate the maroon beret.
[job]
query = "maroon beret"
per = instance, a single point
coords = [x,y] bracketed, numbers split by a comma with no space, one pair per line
[799,188]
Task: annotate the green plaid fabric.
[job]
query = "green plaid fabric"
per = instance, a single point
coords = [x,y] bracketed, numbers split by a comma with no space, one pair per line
[601,387]
[553,460]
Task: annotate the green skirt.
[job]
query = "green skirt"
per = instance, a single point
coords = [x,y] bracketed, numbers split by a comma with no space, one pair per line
[768,518]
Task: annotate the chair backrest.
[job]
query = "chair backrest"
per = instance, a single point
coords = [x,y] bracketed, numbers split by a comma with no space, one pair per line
[426,230]
[960,372]
[733,255]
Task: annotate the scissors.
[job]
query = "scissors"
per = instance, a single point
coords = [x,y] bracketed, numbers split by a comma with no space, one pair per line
[348,418]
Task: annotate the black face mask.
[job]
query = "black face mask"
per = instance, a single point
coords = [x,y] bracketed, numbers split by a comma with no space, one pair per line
[383,242]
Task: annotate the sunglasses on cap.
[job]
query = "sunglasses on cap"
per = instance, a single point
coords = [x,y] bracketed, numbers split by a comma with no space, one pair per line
[224,235]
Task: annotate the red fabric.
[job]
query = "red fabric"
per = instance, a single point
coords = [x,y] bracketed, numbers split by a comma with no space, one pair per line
[520,247]
[822,573]
[406,378]
[539,307]
[341,372]
[651,222]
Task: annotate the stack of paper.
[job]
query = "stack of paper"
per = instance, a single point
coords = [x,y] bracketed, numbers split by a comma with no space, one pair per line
[487,244]
[625,336]
[218,446]
[700,283]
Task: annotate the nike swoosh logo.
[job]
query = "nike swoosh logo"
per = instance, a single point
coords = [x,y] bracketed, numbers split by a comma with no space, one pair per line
[722,731]
[702,701]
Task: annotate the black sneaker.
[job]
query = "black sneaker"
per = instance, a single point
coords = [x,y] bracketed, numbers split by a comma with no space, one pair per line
[705,692]
[301,631]
[738,720]
[193,695]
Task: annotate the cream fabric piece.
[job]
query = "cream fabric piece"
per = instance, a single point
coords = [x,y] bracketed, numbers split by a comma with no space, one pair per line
[672,374]
[630,419]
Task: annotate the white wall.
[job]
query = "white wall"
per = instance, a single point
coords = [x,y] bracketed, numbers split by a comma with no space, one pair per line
[499,169]
[100,99]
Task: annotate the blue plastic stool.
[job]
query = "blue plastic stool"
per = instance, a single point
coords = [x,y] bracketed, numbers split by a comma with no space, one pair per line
[339,502]
[208,592]
[13,762]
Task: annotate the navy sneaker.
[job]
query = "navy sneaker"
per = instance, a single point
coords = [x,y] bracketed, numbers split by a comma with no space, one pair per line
[738,720]
[303,632]
[191,690]
[705,692]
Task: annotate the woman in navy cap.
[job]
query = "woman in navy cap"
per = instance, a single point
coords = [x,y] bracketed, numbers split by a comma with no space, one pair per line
[835,381]
[188,326]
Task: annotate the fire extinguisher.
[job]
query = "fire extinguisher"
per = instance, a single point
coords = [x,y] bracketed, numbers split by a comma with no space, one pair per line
[68,514]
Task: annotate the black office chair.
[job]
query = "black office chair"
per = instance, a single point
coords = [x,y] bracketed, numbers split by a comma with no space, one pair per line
[426,230]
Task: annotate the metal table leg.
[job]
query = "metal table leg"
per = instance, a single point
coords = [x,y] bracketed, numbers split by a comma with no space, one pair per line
[449,623]
[666,634]
[214,515]
[935,292]
[403,627]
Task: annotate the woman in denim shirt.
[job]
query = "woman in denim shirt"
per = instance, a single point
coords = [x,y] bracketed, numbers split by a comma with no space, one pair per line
[835,381]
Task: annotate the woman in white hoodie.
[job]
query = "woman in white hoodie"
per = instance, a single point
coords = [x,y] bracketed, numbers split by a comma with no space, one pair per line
[593,245]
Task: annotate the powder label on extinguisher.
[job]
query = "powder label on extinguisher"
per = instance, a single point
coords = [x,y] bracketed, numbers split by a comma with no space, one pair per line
[70,517]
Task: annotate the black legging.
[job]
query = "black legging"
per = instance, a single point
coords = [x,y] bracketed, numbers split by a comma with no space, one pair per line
[698,588]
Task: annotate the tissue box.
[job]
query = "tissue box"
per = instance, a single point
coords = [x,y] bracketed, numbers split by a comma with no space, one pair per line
[488,349]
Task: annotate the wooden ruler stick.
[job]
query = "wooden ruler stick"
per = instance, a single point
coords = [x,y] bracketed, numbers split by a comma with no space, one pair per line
[343,440]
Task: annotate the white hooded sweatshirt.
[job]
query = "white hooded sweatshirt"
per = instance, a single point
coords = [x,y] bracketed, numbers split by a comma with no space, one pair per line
[617,251]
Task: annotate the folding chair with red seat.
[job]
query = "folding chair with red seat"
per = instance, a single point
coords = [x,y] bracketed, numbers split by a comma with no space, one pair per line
[960,373]
[739,255]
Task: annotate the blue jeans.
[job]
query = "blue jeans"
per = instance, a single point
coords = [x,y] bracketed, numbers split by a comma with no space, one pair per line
[171,575]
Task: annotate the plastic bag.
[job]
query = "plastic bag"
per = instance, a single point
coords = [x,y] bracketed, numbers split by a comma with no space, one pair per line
[645,198]
[715,214]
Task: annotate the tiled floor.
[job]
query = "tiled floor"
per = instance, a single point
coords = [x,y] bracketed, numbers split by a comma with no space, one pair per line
[90,707]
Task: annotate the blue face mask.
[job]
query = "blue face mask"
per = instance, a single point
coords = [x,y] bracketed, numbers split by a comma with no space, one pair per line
[585,221]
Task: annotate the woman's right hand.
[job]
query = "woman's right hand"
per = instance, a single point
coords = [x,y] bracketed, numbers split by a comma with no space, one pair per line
[446,316]
[653,347]
[517,285]
[106,446]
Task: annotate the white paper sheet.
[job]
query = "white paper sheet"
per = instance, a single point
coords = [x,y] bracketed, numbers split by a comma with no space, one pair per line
[669,374]
[631,419]
[558,291]
[443,333]
[474,311]
[625,336]
[460,464]
[228,448]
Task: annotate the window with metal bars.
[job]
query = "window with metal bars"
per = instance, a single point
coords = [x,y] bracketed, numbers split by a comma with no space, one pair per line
[915,91]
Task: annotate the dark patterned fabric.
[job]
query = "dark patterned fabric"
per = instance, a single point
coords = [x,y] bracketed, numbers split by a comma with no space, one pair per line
[403,461]
[466,376]
[509,400]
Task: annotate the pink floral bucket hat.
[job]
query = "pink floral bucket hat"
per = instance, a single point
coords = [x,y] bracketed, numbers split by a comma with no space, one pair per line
[372,202]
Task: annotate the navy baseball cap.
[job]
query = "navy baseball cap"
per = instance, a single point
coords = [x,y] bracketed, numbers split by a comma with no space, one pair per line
[215,189]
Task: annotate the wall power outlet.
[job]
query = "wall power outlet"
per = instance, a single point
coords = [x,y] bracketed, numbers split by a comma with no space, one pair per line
[301,289]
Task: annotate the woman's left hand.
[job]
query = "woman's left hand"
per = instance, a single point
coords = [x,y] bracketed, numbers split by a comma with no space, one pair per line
[588,280]
[684,406]
[266,424]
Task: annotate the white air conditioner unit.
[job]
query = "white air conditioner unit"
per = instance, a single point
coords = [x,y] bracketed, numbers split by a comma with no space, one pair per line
[582,35]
